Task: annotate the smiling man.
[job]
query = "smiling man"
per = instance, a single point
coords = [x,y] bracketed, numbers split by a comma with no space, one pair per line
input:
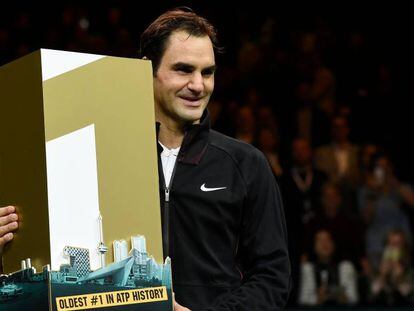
[223,224]
[222,216]
[184,79]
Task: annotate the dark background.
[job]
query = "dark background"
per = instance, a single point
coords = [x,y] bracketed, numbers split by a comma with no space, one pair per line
[386,43]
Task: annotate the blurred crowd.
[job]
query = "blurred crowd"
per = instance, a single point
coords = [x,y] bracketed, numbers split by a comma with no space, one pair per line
[315,98]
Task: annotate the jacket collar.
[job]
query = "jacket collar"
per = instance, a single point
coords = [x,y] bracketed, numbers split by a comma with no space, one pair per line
[195,141]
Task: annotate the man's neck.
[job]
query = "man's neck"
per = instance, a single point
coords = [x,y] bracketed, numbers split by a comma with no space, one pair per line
[170,137]
[171,134]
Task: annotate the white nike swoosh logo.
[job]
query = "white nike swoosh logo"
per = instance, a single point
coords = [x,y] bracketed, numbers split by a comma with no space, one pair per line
[205,189]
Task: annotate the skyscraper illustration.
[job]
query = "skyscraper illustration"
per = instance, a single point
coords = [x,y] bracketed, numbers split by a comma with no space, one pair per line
[120,250]
[138,242]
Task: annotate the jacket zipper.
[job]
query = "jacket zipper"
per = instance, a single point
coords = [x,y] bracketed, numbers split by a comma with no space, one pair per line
[166,212]
[166,222]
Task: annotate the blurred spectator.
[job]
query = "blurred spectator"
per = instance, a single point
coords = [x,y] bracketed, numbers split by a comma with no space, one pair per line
[245,125]
[394,283]
[301,189]
[249,57]
[302,184]
[266,118]
[268,143]
[324,281]
[304,112]
[340,160]
[253,98]
[335,218]
[368,151]
[320,85]
[323,89]
[380,199]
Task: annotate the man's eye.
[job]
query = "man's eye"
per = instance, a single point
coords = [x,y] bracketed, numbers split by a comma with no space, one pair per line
[184,70]
[208,73]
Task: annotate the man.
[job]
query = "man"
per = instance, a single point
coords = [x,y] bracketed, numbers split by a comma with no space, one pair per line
[301,189]
[339,160]
[325,281]
[222,218]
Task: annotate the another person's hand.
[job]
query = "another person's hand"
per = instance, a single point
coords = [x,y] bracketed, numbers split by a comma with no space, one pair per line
[8,223]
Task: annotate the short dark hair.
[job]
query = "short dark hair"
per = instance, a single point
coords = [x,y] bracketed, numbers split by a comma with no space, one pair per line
[155,37]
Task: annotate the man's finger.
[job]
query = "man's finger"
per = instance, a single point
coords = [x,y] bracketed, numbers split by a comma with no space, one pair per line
[6,238]
[8,219]
[7,210]
[4,230]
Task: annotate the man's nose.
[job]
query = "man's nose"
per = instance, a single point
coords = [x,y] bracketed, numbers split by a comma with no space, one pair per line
[196,83]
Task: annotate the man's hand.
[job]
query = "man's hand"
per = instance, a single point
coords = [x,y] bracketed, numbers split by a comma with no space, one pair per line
[8,223]
[178,307]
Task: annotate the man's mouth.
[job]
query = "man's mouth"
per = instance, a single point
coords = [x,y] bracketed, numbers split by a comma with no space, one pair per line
[191,101]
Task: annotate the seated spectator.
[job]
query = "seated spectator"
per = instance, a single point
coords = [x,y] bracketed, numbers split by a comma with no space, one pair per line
[334,218]
[380,200]
[324,281]
[340,160]
[302,183]
[301,188]
[394,283]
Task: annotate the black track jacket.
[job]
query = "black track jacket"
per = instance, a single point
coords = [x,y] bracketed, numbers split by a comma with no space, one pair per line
[223,225]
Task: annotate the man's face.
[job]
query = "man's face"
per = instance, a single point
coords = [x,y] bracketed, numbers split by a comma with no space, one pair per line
[324,245]
[184,80]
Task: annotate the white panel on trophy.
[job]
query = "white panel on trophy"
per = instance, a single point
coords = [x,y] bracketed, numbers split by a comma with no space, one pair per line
[73,196]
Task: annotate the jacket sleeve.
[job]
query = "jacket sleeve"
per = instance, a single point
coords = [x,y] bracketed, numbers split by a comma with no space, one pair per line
[262,252]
